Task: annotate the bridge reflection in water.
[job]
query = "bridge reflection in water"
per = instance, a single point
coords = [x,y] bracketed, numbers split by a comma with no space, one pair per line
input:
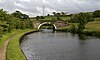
[48,31]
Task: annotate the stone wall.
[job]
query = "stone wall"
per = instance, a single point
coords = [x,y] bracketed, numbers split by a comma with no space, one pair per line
[58,24]
[36,24]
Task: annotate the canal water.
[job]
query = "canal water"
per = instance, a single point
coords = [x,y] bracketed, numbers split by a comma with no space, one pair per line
[46,45]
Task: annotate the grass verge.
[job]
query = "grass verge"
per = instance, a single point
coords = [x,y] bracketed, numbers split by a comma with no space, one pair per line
[7,36]
[13,50]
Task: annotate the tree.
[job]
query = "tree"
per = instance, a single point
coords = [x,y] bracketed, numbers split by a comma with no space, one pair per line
[83,20]
[48,14]
[74,17]
[96,13]
[1,29]
[42,17]
[20,15]
[3,15]
[54,13]
[24,16]
[16,20]
[58,16]
[17,14]
[62,13]
[37,18]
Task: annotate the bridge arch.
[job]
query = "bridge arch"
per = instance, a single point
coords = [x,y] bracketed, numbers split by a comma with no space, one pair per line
[47,23]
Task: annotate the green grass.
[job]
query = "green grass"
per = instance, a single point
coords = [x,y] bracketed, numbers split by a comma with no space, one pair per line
[68,27]
[6,36]
[13,50]
[65,18]
[93,26]
[97,19]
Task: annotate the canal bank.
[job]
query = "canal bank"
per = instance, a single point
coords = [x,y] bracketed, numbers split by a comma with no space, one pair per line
[14,51]
[91,28]
[22,37]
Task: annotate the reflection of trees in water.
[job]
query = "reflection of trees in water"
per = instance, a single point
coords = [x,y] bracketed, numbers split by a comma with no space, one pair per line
[82,36]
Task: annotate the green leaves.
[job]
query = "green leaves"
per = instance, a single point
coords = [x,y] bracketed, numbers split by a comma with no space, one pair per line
[83,19]
[96,13]
[76,18]
[20,15]
[16,20]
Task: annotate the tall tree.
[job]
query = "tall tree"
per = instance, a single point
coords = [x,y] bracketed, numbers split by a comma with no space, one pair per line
[96,13]
[37,18]
[62,13]
[54,13]
[83,20]
[17,14]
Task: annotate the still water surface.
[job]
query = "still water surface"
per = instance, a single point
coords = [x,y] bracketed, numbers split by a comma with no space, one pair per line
[46,45]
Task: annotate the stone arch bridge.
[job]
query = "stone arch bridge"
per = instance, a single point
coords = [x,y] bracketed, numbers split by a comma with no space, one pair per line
[57,24]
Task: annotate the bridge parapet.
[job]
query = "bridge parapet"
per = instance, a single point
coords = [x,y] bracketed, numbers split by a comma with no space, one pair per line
[57,24]
[60,24]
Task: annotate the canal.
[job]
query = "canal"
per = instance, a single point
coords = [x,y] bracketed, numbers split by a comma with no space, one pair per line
[46,45]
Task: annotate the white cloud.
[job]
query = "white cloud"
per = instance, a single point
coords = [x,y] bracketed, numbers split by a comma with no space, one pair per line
[34,7]
[59,0]
[20,5]
[25,0]
[39,9]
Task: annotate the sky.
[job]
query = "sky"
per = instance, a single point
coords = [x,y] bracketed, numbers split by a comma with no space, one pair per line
[35,7]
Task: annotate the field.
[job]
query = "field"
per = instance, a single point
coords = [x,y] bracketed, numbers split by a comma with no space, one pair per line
[93,26]
[97,19]
[90,27]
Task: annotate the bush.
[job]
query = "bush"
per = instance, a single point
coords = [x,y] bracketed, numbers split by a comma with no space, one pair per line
[73,29]
[9,22]
[96,13]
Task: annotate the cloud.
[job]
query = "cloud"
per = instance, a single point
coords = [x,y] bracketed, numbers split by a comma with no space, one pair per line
[25,0]
[59,0]
[20,5]
[35,7]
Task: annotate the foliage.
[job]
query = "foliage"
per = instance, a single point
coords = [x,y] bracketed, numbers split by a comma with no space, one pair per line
[16,20]
[37,18]
[54,13]
[96,13]
[75,19]
[73,28]
[82,19]
[20,15]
